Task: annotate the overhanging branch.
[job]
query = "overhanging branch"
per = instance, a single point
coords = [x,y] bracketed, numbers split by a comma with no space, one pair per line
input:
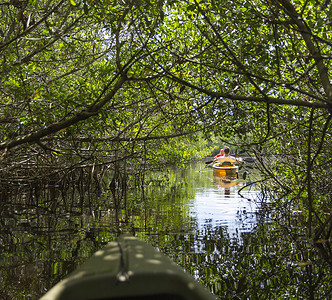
[303,29]
[268,100]
[55,127]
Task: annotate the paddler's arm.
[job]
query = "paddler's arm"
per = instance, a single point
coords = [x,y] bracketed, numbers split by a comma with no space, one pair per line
[236,159]
[239,159]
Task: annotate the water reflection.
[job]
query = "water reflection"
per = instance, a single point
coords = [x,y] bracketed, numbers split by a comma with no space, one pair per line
[225,183]
[220,205]
[53,228]
[200,221]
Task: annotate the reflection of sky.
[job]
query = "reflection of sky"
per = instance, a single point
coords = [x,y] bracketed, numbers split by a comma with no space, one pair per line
[216,206]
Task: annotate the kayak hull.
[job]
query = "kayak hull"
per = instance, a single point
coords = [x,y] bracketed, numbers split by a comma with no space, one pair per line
[129,269]
[230,171]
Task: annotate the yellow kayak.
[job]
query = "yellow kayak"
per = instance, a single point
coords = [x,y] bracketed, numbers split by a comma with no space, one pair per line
[225,170]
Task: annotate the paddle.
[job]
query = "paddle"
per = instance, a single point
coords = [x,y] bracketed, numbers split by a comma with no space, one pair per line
[242,151]
[249,159]
[245,159]
[208,163]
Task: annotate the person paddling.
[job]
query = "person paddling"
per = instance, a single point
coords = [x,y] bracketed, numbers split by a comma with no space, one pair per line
[227,158]
[220,154]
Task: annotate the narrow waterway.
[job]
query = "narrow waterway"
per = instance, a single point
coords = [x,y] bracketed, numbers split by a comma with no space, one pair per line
[221,205]
[217,229]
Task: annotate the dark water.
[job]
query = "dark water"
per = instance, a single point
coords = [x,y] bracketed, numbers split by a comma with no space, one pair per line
[219,231]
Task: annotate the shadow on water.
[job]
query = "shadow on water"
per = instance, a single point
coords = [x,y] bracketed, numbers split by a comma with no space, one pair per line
[220,231]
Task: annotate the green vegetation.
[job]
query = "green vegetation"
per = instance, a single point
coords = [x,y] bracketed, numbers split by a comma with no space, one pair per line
[135,85]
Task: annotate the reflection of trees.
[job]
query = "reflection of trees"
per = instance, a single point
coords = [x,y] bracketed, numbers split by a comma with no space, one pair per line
[48,228]
[273,262]
[44,235]
[265,265]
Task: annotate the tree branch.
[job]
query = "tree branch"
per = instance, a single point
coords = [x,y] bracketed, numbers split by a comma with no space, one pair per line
[55,127]
[269,100]
[314,52]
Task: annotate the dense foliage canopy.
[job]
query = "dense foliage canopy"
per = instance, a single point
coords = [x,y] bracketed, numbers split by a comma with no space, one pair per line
[102,82]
